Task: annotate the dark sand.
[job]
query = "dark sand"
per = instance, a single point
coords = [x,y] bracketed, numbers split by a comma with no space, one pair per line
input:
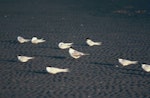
[124,31]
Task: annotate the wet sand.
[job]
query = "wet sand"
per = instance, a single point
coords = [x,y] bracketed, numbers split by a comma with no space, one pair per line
[93,76]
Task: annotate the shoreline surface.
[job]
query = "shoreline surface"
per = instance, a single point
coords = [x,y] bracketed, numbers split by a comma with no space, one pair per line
[98,75]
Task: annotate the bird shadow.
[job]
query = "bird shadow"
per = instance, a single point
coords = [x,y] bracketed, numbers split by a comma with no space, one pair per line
[33,71]
[133,72]
[10,41]
[56,57]
[103,64]
[137,73]
[124,70]
[7,60]
[55,48]
[45,46]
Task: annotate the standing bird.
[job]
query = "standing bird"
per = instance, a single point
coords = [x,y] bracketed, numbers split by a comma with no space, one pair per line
[54,70]
[125,62]
[24,58]
[92,43]
[146,67]
[63,45]
[22,40]
[35,40]
[76,54]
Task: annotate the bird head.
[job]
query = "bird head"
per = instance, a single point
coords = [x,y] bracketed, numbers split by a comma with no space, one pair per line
[87,38]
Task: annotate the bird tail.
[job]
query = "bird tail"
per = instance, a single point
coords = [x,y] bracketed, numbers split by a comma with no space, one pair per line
[98,43]
[69,44]
[65,70]
[27,40]
[134,62]
[42,40]
[31,57]
[85,54]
